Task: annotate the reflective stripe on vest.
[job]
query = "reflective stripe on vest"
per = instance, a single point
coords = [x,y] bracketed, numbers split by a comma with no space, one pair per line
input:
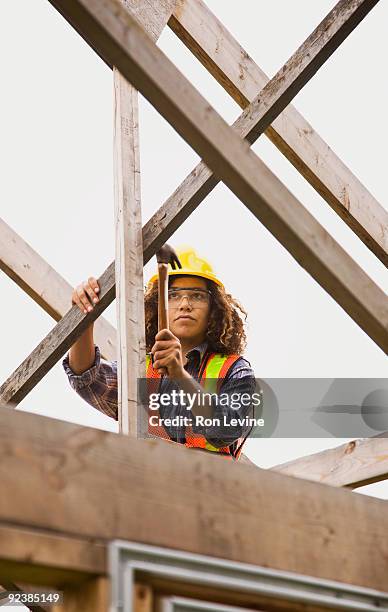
[217,367]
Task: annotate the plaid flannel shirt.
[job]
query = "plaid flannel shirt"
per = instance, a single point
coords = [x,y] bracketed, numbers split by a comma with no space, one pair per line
[98,387]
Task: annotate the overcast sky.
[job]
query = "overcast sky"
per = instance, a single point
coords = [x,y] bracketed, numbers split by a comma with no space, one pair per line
[57,191]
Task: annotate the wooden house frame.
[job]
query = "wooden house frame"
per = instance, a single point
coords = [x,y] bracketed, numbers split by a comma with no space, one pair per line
[68,548]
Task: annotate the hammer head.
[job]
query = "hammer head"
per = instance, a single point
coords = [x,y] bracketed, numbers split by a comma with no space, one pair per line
[167,255]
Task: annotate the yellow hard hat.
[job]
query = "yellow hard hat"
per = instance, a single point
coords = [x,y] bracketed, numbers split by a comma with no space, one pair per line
[192,265]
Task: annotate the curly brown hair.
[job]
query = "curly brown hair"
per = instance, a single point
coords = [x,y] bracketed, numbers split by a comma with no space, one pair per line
[225,333]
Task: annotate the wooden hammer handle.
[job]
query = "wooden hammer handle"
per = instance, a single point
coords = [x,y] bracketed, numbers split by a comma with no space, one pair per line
[163,296]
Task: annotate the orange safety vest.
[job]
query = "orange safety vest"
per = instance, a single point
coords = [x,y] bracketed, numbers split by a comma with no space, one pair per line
[214,365]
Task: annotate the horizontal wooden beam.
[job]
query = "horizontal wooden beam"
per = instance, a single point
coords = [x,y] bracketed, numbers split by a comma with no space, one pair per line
[56,474]
[208,39]
[45,285]
[41,557]
[355,464]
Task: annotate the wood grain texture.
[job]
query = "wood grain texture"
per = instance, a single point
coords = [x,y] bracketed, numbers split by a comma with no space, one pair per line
[201,31]
[152,16]
[56,474]
[352,465]
[129,253]
[45,285]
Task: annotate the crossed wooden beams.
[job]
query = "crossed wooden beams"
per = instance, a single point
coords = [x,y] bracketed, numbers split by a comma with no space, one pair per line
[112,30]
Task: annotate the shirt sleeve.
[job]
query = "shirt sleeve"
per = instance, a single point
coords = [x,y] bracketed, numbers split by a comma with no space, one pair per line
[97,385]
[239,401]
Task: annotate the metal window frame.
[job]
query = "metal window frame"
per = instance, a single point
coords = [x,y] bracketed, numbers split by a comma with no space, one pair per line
[186,604]
[127,558]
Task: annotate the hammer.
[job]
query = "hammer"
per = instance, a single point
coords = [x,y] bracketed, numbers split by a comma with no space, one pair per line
[166,255]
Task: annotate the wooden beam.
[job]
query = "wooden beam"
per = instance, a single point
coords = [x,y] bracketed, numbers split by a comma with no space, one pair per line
[270,520]
[45,285]
[152,16]
[94,595]
[41,557]
[201,31]
[143,598]
[129,254]
[355,464]
[129,249]
[55,344]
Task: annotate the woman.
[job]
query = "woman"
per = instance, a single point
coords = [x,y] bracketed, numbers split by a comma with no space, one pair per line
[204,341]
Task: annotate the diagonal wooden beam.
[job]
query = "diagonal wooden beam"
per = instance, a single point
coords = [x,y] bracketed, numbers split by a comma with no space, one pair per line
[56,343]
[151,15]
[355,464]
[45,285]
[109,27]
[209,40]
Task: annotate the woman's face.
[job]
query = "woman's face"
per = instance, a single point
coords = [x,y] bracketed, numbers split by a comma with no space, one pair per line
[188,319]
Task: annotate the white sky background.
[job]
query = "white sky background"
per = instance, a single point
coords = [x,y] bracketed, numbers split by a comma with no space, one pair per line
[56,191]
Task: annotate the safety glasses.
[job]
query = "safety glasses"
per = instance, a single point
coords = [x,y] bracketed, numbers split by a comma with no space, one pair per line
[197,297]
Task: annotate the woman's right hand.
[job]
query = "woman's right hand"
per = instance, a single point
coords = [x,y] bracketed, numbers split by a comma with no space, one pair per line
[85,295]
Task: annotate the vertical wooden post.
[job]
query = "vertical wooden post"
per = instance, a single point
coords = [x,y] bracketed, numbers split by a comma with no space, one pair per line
[91,595]
[129,246]
[129,253]
[143,598]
